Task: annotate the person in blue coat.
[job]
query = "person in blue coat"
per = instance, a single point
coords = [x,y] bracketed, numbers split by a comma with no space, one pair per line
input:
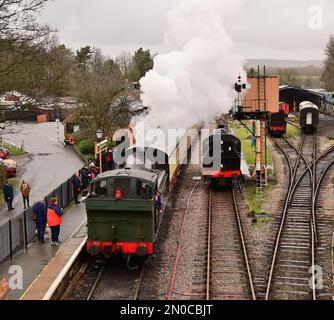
[8,193]
[39,210]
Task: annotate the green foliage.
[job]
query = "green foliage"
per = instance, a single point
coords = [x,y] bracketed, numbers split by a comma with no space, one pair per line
[111,144]
[292,131]
[256,203]
[142,63]
[246,141]
[86,147]
[14,151]
[83,55]
[251,72]
[328,74]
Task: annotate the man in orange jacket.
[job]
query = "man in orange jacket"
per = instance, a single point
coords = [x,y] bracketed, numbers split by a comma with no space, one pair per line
[54,213]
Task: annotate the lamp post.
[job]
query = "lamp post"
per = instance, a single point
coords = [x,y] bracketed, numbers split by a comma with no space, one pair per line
[99,136]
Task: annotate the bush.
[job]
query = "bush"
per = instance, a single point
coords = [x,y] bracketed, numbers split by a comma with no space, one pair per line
[86,147]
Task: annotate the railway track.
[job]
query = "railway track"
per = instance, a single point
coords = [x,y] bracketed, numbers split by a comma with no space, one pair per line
[294,267]
[109,280]
[222,270]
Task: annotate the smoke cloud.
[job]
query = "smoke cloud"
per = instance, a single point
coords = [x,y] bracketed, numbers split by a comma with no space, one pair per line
[194,81]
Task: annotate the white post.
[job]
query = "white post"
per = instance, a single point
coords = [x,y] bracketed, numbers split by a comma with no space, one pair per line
[57,122]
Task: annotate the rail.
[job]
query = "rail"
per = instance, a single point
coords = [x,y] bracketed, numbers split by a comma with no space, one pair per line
[295,182]
[293,171]
[227,249]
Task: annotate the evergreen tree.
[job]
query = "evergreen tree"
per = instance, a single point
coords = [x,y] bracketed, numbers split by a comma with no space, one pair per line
[142,62]
[84,54]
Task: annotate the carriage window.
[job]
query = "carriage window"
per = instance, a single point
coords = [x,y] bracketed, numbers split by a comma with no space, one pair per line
[131,188]
[99,188]
[124,184]
[144,190]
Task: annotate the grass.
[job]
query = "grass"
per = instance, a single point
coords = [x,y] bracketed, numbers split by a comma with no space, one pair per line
[255,202]
[292,131]
[13,150]
[245,137]
[246,141]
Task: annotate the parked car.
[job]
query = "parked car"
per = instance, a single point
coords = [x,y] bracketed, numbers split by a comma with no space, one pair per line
[11,167]
[4,153]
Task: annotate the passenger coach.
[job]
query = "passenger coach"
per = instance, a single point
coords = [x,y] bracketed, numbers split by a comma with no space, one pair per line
[309,117]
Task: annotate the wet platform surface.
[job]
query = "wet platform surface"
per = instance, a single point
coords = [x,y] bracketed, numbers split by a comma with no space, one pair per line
[37,257]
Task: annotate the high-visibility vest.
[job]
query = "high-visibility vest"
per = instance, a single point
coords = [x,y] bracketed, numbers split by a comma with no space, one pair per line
[53,219]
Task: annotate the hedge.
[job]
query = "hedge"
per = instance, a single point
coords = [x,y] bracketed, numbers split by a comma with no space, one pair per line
[86,147]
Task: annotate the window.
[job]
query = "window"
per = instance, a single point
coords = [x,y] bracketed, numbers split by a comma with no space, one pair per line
[99,188]
[143,190]
[132,188]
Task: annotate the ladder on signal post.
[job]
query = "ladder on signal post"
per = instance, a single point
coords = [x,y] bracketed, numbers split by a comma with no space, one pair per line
[99,149]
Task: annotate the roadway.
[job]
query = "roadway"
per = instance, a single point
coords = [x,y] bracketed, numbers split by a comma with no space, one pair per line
[47,164]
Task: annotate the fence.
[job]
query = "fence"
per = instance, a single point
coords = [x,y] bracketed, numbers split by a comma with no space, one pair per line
[19,231]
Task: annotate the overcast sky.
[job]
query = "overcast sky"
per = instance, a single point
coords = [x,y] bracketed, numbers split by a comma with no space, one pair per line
[269,29]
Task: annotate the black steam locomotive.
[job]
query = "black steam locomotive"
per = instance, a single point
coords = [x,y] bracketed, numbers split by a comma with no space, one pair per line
[221,158]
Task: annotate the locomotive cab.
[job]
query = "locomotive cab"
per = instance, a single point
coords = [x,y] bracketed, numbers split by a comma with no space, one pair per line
[121,212]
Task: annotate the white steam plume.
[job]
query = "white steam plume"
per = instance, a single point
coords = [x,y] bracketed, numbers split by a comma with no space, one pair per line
[193,82]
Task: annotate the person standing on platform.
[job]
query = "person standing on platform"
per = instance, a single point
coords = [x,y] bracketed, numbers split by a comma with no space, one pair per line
[25,190]
[93,170]
[54,213]
[84,176]
[8,193]
[76,187]
[39,210]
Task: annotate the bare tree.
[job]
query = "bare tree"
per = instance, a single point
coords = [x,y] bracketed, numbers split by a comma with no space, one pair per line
[98,89]
[17,21]
[125,64]
[328,74]
[22,38]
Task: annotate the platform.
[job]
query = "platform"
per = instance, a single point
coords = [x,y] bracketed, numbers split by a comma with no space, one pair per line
[48,282]
[38,256]
[244,167]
